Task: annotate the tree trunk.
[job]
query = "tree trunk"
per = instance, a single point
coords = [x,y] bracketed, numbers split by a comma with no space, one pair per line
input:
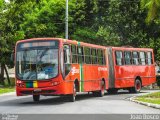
[9,81]
[2,74]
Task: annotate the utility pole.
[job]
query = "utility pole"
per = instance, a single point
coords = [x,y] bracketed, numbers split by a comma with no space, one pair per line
[66,21]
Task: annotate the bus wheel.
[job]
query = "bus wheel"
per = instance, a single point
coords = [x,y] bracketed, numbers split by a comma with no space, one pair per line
[36,98]
[137,87]
[72,97]
[95,93]
[112,91]
[102,90]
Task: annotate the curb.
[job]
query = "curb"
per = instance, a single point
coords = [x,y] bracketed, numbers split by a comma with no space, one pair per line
[5,94]
[145,103]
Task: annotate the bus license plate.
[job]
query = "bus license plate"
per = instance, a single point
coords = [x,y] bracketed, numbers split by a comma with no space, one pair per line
[37,90]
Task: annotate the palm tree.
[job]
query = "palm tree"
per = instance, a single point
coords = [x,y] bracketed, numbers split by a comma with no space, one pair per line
[152,6]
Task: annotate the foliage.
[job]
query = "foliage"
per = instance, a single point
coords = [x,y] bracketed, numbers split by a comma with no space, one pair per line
[153,7]
[103,22]
[126,20]
[11,15]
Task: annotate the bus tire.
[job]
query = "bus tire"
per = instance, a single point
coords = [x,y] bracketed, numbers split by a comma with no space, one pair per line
[137,87]
[72,97]
[95,93]
[101,92]
[112,91]
[36,98]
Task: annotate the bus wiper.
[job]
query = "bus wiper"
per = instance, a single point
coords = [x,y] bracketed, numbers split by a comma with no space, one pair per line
[24,57]
[42,54]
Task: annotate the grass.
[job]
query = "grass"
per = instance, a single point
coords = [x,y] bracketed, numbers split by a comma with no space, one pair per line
[6,89]
[150,98]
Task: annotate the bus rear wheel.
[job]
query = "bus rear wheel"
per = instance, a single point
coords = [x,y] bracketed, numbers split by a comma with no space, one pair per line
[36,98]
[72,97]
[137,87]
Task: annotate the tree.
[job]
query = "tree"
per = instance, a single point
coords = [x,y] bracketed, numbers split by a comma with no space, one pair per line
[47,19]
[11,15]
[153,8]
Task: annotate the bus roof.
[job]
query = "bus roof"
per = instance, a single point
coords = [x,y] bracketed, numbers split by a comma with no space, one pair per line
[131,48]
[64,41]
[85,44]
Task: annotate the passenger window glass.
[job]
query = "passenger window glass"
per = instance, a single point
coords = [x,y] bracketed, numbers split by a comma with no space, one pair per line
[67,59]
[135,58]
[149,58]
[74,53]
[119,56]
[87,55]
[142,58]
[104,60]
[67,54]
[80,55]
[94,57]
[127,57]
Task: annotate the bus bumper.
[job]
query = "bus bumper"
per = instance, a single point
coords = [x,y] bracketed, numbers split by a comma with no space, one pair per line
[61,89]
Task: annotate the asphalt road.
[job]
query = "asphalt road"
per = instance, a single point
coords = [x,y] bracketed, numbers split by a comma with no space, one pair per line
[84,104]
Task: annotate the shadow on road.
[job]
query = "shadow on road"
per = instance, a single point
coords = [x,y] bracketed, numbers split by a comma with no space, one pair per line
[124,92]
[52,100]
[56,100]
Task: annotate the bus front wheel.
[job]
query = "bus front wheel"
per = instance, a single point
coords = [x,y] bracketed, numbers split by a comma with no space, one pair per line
[36,98]
[72,97]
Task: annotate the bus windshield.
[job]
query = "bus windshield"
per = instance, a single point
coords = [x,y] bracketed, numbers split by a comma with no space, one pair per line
[37,63]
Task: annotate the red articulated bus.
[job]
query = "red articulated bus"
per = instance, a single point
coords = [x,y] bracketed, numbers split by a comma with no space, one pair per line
[55,66]
[130,68]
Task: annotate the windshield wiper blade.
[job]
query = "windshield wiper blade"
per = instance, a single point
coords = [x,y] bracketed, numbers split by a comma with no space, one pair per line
[41,55]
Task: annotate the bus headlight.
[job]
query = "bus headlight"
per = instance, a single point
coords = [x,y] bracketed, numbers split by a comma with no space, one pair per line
[20,84]
[55,83]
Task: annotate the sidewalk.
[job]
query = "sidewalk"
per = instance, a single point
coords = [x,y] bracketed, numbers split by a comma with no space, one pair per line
[10,93]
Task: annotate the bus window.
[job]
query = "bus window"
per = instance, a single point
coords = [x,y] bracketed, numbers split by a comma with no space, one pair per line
[119,58]
[101,58]
[62,63]
[87,55]
[149,58]
[135,58]
[142,58]
[104,58]
[127,57]
[37,63]
[67,59]
[74,53]
[80,55]
[94,56]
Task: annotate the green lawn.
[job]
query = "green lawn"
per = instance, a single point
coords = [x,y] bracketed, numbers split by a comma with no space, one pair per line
[6,89]
[150,98]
